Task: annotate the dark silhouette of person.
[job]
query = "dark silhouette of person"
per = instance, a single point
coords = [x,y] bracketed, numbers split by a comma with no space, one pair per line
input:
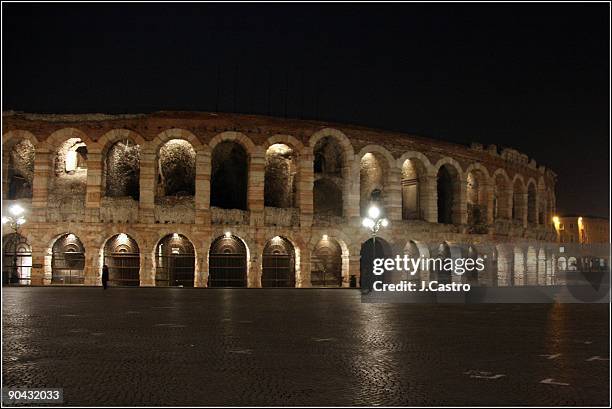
[105,276]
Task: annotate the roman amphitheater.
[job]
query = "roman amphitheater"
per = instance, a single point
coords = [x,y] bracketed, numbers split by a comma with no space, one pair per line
[227,200]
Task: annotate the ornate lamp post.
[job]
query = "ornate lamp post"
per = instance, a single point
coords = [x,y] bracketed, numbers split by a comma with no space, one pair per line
[15,220]
[374,222]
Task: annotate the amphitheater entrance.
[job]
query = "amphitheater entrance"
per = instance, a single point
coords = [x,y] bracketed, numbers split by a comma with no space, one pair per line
[326,262]
[175,262]
[371,250]
[16,260]
[68,260]
[278,263]
[122,256]
[227,262]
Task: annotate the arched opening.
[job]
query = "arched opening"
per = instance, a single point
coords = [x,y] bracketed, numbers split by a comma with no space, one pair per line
[415,250]
[373,249]
[518,277]
[572,264]
[280,176]
[20,172]
[476,198]
[532,211]
[372,176]
[227,262]
[174,262]
[278,263]
[329,177]
[122,170]
[501,198]
[413,172]
[327,197]
[326,264]
[562,264]
[176,168]
[448,195]
[440,255]
[531,264]
[16,260]
[68,260]
[518,200]
[229,178]
[69,184]
[122,256]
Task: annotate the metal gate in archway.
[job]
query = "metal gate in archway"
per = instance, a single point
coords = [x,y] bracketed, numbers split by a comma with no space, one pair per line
[175,262]
[326,262]
[122,256]
[227,262]
[278,264]
[68,260]
[16,260]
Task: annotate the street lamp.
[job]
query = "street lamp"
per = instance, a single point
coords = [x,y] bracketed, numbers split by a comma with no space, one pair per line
[15,220]
[374,222]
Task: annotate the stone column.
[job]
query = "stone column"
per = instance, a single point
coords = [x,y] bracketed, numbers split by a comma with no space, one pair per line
[254,272]
[350,191]
[428,197]
[202,187]
[40,184]
[354,262]
[94,185]
[37,274]
[93,269]
[303,280]
[393,190]
[305,186]
[460,202]
[147,270]
[255,191]
[147,184]
[489,201]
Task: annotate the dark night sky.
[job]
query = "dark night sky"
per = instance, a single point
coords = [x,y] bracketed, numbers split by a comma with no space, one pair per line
[531,76]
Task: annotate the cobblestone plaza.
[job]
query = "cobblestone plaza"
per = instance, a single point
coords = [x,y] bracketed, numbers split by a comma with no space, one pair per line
[171,346]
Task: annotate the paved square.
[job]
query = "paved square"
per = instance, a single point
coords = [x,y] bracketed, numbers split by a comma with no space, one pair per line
[153,346]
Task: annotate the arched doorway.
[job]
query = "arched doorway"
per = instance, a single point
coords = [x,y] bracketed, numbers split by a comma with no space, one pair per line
[229,178]
[174,262]
[278,263]
[227,262]
[448,194]
[280,177]
[17,260]
[176,168]
[122,256]
[68,260]
[441,254]
[121,176]
[326,262]
[372,249]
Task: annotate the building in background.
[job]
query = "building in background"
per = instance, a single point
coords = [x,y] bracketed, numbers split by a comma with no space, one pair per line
[584,243]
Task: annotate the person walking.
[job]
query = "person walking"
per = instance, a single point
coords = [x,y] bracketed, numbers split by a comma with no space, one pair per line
[104,276]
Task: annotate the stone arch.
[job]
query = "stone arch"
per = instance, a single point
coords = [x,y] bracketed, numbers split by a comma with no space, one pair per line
[175,170]
[120,161]
[56,138]
[502,195]
[18,156]
[532,202]
[174,261]
[228,261]
[375,164]
[288,140]
[229,174]
[123,256]
[416,249]
[280,176]
[176,133]
[477,194]
[68,260]
[519,198]
[449,178]
[415,171]
[16,259]
[233,136]
[343,140]
[279,263]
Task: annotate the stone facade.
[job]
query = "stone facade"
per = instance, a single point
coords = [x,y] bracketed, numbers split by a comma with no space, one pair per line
[464,199]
